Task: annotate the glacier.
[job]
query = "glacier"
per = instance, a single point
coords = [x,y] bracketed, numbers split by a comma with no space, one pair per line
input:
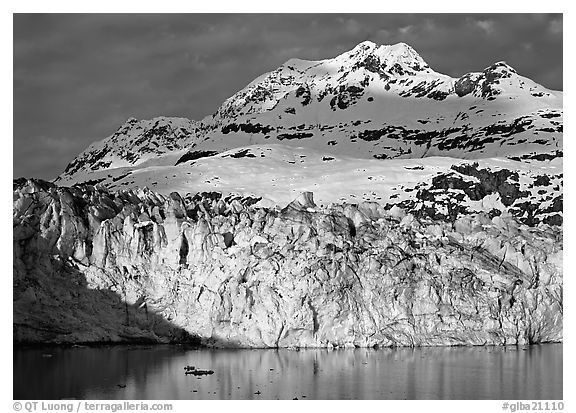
[93,266]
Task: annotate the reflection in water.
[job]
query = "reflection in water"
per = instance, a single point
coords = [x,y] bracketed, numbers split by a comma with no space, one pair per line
[140,372]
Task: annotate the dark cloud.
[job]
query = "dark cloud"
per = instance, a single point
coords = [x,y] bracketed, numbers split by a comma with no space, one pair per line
[78,77]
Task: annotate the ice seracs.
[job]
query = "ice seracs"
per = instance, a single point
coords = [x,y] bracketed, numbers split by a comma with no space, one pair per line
[229,273]
[355,201]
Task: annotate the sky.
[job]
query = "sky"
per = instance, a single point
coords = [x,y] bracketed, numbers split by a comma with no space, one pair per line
[78,77]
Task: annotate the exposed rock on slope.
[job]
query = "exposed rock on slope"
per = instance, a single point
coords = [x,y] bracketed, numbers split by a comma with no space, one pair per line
[134,143]
[233,274]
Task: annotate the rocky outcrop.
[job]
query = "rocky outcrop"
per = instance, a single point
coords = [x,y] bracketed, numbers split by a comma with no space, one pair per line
[94,265]
[532,199]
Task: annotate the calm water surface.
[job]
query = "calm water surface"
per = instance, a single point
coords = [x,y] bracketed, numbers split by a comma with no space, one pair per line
[157,372]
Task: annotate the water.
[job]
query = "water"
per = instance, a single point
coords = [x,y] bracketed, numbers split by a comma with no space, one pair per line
[157,372]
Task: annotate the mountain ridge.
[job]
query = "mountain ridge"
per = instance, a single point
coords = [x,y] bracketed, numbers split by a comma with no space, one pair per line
[253,110]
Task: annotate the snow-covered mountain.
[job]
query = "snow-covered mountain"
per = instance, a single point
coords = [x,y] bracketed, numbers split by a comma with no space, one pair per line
[339,127]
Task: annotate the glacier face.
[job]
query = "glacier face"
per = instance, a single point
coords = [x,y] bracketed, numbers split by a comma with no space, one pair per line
[92,265]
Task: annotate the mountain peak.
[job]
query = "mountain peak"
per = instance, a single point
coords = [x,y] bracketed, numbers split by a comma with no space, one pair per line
[365,45]
[388,55]
[501,66]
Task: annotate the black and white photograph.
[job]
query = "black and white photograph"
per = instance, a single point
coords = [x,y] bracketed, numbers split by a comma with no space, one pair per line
[287,206]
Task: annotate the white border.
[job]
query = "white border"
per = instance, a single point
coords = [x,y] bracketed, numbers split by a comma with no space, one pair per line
[419,6]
